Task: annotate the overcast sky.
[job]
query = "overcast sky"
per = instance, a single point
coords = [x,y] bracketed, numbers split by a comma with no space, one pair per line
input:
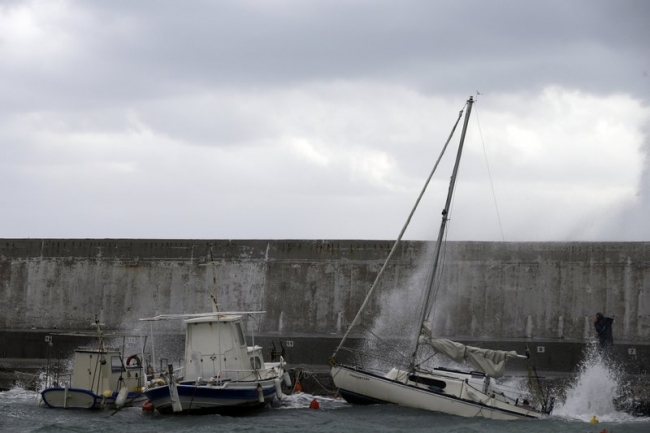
[283,119]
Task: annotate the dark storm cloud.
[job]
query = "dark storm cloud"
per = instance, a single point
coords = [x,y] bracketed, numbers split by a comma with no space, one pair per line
[438,46]
[331,109]
[129,51]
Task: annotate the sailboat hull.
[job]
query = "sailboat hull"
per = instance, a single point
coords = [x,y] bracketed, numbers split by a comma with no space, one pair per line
[458,397]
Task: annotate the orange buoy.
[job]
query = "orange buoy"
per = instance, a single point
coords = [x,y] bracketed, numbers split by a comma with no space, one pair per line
[314,404]
[147,406]
[297,387]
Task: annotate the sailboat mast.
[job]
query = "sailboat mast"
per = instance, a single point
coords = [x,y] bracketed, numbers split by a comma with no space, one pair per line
[397,242]
[452,183]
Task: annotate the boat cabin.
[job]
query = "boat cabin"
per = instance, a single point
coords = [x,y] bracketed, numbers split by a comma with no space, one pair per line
[101,370]
[215,348]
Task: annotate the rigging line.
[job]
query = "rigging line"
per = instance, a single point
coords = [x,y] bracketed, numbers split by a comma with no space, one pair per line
[390,346]
[487,164]
[438,282]
[443,261]
[399,238]
[381,341]
[419,365]
[443,254]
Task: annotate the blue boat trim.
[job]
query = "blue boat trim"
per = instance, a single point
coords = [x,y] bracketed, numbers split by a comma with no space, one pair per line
[160,396]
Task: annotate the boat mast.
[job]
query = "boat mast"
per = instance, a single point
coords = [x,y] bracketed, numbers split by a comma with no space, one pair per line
[445,212]
[100,334]
[396,244]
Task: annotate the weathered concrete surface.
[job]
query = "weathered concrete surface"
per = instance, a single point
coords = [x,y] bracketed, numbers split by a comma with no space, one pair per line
[27,350]
[502,290]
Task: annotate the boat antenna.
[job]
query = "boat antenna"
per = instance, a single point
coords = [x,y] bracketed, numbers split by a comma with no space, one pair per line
[215,305]
[213,296]
[441,234]
[397,242]
[100,333]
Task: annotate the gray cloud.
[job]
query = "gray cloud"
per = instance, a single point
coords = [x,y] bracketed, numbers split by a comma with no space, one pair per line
[124,51]
[254,113]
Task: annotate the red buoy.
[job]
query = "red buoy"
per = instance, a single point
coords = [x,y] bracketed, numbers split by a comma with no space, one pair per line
[314,404]
[147,406]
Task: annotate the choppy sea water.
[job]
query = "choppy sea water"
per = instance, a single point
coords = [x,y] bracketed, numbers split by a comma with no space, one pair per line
[20,412]
[593,393]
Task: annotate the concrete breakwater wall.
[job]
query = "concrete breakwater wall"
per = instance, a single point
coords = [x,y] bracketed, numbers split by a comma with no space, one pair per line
[310,288]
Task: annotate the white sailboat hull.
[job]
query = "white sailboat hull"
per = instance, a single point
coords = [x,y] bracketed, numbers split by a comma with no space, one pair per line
[459,397]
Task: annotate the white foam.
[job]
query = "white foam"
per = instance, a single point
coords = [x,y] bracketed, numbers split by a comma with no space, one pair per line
[18,393]
[302,400]
[593,392]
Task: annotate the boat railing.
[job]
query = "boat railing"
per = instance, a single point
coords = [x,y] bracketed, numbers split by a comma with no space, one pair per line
[60,380]
[234,375]
[160,377]
[353,358]
[178,372]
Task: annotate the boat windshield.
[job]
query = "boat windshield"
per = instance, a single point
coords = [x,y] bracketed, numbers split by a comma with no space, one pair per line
[116,364]
[240,333]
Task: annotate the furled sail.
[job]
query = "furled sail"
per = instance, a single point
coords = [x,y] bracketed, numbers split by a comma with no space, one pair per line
[490,362]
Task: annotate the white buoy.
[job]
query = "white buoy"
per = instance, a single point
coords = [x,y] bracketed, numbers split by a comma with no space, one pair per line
[260,393]
[278,388]
[121,397]
[287,379]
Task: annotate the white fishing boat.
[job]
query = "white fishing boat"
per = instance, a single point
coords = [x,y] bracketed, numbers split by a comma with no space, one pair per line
[413,382]
[101,378]
[220,373]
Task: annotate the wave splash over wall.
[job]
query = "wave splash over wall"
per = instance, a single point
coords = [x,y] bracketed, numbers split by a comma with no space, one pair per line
[595,391]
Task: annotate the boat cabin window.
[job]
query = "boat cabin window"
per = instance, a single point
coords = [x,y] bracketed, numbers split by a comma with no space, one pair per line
[240,333]
[116,364]
[256,363]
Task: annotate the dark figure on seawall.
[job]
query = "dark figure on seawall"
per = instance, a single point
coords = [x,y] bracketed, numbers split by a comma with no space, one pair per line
[603,327]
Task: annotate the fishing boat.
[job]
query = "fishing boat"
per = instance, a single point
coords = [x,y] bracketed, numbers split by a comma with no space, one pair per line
[220,372]
[412,381]
[101,378]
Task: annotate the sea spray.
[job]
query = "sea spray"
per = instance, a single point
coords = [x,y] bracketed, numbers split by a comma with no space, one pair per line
[393,330]
[594,390]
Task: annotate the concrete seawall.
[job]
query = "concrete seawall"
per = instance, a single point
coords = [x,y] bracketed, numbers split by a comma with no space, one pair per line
[312,289]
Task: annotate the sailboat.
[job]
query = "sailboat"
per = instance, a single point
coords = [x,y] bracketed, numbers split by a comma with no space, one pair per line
[412,382]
